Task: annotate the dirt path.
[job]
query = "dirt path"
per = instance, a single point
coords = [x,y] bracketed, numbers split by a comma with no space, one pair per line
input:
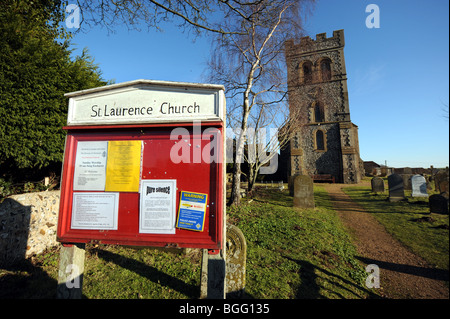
[402,274]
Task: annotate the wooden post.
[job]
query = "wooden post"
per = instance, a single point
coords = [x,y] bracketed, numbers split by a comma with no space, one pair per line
[213,276]
[204,275]
[70,273]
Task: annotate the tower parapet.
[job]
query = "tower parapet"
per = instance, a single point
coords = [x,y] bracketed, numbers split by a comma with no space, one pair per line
[321,42]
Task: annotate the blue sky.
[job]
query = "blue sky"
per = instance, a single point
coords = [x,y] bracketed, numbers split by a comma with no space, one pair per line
[398,74]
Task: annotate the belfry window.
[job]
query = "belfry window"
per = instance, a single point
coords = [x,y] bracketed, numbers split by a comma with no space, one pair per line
[325,69]
[307,72]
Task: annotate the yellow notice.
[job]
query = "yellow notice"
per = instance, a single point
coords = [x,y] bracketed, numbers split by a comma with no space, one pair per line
[123,166]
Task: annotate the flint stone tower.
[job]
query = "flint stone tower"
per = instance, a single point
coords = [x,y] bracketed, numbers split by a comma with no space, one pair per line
[327,141]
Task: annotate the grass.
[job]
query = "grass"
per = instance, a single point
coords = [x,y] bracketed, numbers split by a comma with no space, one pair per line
[292,253]
[410,222]
[295,253]
[111,272]
[128,273]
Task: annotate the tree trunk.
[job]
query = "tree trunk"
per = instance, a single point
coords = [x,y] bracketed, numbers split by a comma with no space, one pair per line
[236,186]
[235,198]
[251,177]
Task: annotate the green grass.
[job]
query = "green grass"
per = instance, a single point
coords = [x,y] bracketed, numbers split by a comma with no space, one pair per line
[292,253]
[111,272]
[128,273]
[295,253]
[407,221]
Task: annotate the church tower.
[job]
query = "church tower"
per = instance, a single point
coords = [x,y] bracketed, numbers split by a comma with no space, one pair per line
[326,143]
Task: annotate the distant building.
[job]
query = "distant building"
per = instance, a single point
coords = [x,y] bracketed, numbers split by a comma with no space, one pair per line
[327,142]
[371,168]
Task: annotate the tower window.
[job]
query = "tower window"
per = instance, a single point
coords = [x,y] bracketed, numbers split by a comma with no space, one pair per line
[325,69]
[307,72]
[319,114]
[320,140]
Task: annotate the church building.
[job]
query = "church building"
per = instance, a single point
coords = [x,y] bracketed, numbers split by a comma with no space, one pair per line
[326,145]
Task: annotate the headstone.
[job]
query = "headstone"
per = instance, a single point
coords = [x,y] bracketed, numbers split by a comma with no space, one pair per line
[441,183]
[406,181]
[291,185]
[303,192]
[396,190]
[419,186]
[429,179]
[438,204]
[377,185]
[235,262]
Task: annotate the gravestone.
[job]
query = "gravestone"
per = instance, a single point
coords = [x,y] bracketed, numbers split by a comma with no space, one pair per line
[406,181]
[419,186]
[441,183]
[377,185]
[303,192]
[291,184]
[438,204]
[235,262]
[396,190]
[429,180]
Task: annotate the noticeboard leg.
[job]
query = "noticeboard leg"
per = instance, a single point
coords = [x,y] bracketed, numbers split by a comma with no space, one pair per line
[70,273]
[213,276]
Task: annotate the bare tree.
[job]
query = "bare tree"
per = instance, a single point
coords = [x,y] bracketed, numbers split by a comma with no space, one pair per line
[270,130]
[191,15]
[251,65]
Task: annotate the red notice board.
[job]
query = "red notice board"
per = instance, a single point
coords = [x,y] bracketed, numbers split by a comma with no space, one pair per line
[128,158]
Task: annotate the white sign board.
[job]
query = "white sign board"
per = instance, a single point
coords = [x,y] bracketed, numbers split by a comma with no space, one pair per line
[145,101]
[95,211]
[90,166]
[157,207]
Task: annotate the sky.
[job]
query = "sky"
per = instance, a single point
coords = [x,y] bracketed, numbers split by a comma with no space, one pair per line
[398,74]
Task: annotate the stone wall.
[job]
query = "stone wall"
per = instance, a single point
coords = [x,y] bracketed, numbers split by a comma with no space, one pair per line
[27,225]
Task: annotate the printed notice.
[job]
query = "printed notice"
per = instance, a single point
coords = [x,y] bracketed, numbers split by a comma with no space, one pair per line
[95,211]
[123,167]
[191,214]
[90,166]
[157,206]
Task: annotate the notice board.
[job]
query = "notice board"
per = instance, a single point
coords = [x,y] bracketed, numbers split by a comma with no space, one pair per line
[124,177]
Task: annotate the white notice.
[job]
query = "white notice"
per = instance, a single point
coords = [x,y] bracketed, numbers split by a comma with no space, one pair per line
[90,166]
[157,206]
[95,211]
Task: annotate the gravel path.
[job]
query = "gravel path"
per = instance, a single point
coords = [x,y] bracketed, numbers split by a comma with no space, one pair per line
[403,275]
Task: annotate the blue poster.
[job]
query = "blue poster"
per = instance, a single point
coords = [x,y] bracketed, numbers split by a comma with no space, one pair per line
[191,214]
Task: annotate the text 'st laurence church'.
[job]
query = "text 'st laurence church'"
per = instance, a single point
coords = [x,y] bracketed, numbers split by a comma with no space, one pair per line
[135,105]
